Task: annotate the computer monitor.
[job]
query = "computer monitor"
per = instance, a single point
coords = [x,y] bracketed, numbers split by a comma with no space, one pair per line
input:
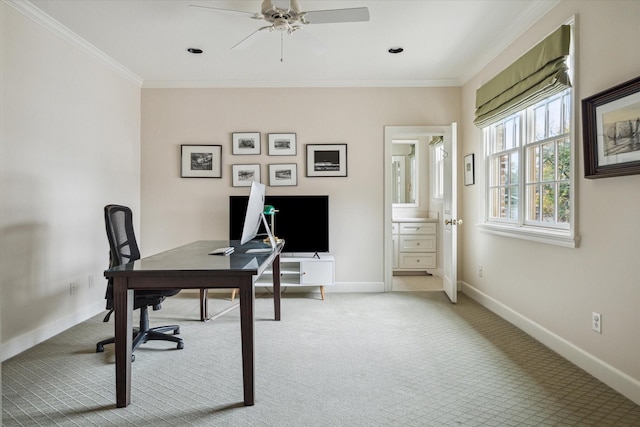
[255,208]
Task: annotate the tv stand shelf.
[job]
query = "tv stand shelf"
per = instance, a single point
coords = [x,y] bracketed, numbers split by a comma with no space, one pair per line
[307,270]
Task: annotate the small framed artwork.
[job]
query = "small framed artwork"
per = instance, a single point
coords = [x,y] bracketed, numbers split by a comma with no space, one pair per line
[246,143]
[469,172]
[201,161]
[244,175]
[326,160]
[283,175]
[611,131]
[282,144]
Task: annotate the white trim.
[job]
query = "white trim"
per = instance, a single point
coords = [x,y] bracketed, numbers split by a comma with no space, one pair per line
[533,234]
[188,84]
[38,16]
[611,376]
[49,329]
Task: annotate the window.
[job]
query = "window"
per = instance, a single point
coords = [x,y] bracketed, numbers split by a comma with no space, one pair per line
[528,165]
[438,171]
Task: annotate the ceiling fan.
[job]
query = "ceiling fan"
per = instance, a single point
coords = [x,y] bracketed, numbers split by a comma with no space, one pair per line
[286,16]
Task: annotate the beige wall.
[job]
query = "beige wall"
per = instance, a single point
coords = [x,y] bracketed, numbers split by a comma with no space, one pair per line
[551,291]
[69,145]
[177,210]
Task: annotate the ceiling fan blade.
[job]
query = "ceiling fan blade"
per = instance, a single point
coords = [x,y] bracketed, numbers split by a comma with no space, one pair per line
[310,41]
[237,12]
[249,40]
[332,16]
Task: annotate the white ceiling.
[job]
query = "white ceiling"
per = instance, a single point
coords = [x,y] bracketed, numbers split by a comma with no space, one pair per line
[445,41]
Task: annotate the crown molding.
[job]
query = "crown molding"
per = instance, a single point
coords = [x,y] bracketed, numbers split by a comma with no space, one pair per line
[170,84]
[29,10]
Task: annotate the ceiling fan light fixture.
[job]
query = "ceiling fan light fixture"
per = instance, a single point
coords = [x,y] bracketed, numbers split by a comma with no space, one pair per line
[194,50]
[395,50]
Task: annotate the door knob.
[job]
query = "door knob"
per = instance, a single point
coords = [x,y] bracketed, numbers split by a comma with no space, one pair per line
[453,222]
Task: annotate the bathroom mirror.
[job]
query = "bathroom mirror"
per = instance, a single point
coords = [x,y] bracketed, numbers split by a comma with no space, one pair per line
[404,172]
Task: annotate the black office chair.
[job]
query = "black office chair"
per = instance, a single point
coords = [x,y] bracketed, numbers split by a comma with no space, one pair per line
[124,249]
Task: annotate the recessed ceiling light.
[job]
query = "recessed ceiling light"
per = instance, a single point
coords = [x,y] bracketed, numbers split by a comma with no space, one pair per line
[194,50]
[396,50]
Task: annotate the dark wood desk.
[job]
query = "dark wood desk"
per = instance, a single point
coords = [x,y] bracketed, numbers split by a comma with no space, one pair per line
[191,267]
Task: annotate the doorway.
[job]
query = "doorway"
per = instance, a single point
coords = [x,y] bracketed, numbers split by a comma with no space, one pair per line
[425,208]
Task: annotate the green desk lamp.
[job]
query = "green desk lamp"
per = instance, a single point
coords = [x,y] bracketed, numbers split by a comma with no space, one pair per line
[271,211]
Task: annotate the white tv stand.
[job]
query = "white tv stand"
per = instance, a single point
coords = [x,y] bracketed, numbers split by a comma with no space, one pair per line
[303,270]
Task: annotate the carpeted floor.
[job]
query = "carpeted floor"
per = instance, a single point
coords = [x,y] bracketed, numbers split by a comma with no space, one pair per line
[394,359]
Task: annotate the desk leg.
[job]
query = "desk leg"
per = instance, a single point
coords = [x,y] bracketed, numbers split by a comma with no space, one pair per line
[123,305]
[247,297]
[275,267]
[204,304]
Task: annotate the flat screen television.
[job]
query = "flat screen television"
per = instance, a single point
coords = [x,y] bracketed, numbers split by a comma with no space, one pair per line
[302,221]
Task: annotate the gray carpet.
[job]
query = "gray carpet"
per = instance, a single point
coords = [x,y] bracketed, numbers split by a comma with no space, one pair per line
[395,359]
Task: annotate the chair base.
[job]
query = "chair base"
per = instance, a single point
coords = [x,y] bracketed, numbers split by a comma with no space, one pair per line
[158,334]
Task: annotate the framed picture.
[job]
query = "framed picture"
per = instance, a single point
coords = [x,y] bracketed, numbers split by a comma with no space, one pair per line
[469,172]
[282,144]
[326,160]
[246,143]
[283,175]
[244,175]
[611,131]
[201,161]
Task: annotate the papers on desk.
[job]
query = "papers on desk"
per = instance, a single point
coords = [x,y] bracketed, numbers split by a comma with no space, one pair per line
[227,250]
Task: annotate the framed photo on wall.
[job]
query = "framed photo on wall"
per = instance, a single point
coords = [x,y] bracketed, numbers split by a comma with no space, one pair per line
[245,143]
[283,175]
[282,144]
[469,172]
[200,161]
[611,131]
[244,175]
[326,160]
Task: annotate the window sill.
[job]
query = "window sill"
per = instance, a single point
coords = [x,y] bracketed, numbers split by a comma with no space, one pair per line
[550,237]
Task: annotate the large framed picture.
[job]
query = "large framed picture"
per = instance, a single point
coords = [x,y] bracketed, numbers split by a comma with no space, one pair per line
[326,160]
[611,131]
[201,161]
[282,144]
[283,175]
[244,175]
[245,143]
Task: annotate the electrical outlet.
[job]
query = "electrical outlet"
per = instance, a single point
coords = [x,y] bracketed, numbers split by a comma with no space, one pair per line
[596,322]
[479,270]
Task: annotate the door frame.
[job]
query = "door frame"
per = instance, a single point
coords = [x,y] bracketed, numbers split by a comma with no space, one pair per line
[391,133]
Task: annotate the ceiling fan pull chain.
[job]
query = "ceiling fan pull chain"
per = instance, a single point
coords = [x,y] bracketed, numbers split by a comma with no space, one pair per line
[281,46]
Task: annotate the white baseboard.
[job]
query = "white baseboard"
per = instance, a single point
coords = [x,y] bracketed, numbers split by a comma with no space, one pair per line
[24,342]
[611,376]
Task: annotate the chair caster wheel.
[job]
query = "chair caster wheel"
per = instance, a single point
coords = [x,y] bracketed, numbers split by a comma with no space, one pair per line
[176,331]
[180,345]
[99,348]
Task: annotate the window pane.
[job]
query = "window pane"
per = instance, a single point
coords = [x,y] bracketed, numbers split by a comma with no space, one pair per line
[539,123]
[509,134]
[548,203]
[564,159]
[494,172]
[503,202]
[493,201]
[555,117]
[513,202]
[515,167]
[566,104]
[504,164]
[499,138]
[564,206]
[533,200]
[548,162]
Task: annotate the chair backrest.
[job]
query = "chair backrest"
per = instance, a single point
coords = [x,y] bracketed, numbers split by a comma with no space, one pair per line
[123,247]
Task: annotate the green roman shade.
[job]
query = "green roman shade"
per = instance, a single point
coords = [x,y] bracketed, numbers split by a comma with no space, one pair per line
[541,72]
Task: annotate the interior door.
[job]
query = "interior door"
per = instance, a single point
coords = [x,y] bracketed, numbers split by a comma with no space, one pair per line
[450,215]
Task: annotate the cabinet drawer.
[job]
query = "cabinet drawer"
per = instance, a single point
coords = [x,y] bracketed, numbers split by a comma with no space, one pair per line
[417,243]
[418,260]
[417,228]
[316,273]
